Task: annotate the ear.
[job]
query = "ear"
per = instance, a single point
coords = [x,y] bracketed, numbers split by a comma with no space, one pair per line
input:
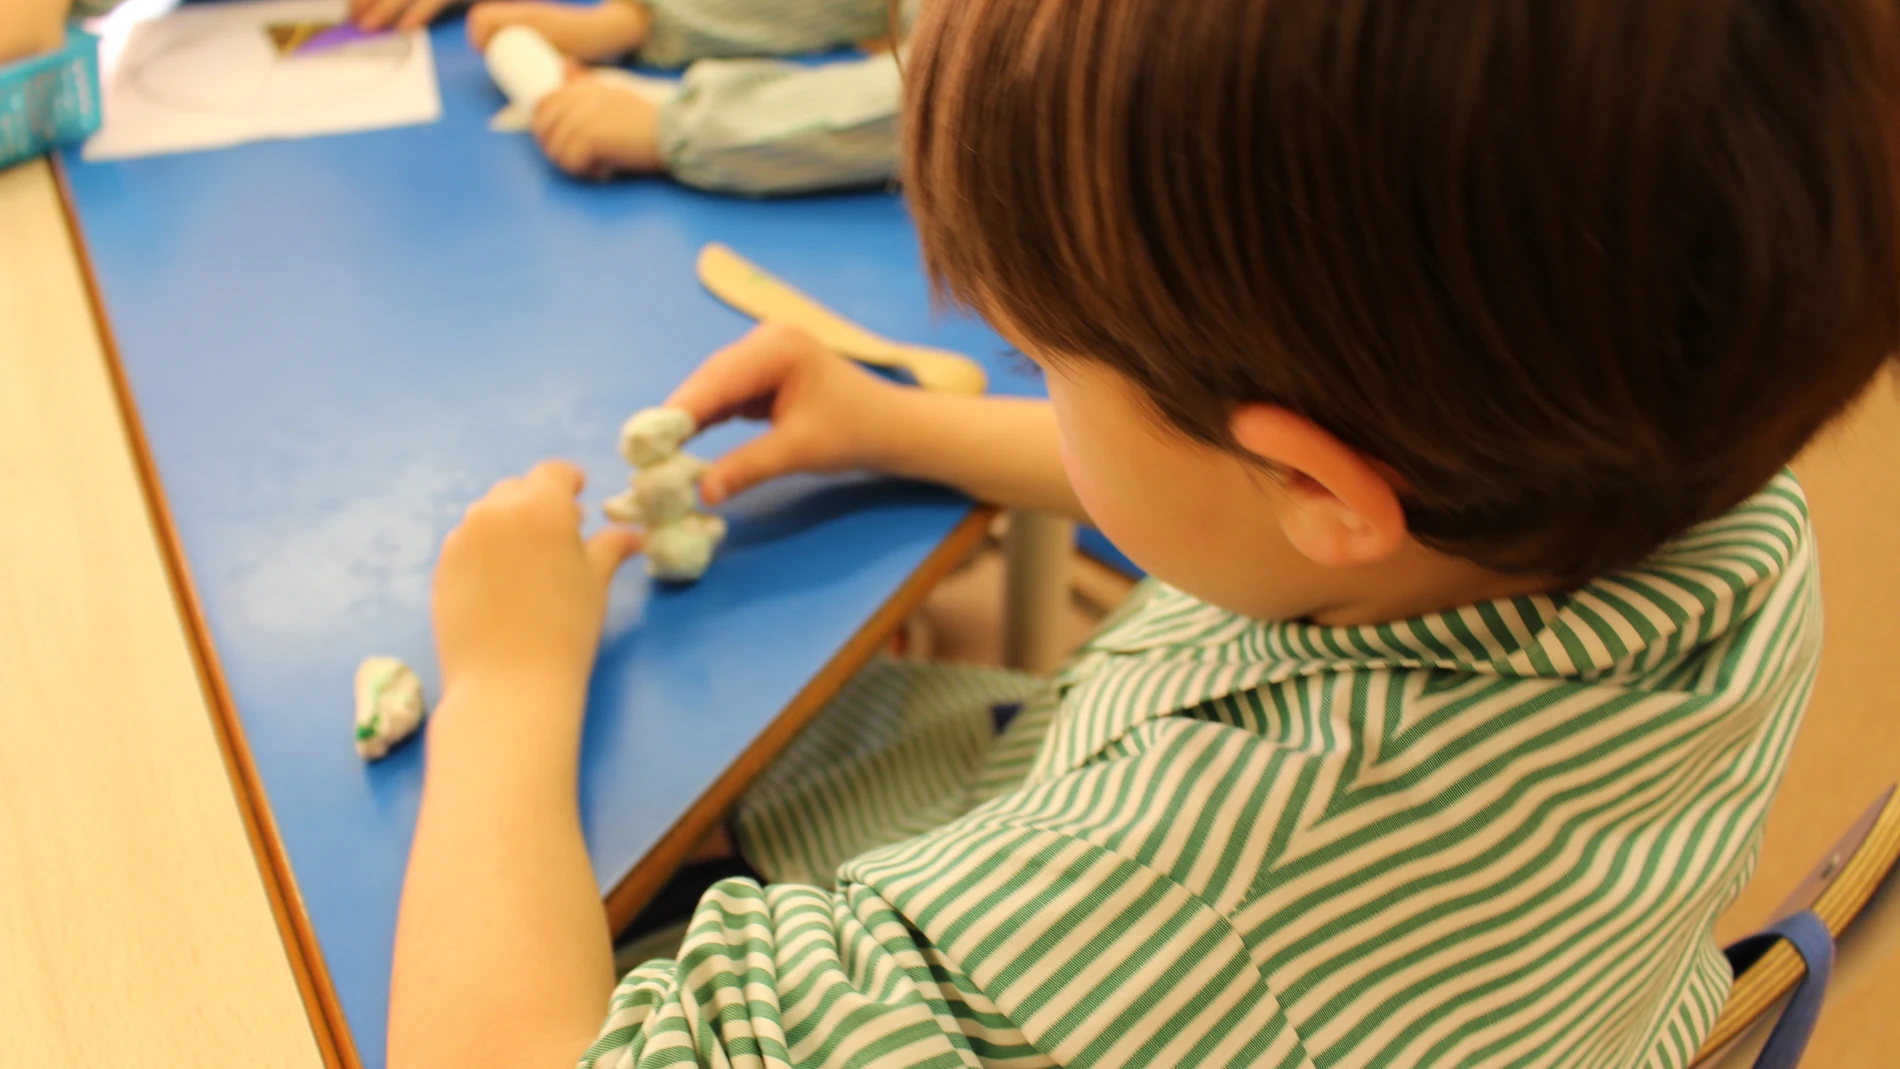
[1345,511]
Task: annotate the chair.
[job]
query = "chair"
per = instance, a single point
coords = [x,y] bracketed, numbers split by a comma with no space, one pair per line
[1795,952]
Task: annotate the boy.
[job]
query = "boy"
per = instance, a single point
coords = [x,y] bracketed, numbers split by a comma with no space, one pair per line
[1442,362]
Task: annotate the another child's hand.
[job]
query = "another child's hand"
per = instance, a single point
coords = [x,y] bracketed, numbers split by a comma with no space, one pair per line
[376,15]
[592,129]
[518,595]
[31,27]
[827,413]
[602,33]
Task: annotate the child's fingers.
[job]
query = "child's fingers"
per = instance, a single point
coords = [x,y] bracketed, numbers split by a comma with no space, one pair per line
[547,114]
[556,110]
[571,151]
[556,144]
[557,477]
[483,21]
[735,377]
[420,14]
[563,132]
[610,547]
[768,456]
[378,14]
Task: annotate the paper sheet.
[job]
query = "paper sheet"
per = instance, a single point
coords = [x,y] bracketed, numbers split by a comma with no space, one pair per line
[207,76]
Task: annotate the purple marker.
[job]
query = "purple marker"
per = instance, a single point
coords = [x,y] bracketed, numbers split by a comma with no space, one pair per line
[334,37]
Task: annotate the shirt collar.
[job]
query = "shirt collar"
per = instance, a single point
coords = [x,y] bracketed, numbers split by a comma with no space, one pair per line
[1170,652]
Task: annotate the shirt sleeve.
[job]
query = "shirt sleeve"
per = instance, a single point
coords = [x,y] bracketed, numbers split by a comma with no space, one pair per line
[794,975]
[1011,938]
[686,30]
[764,127]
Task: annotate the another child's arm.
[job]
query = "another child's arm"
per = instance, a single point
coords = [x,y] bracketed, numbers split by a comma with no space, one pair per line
[503,957]
[594,129]
[397,14]
[769,128]
[752,126]
[30,27]
[828,415]
[674,33]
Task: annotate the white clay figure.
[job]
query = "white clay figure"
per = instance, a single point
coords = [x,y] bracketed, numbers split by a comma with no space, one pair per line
[389,705]
[668,489]
[659,493]
[663,495]
[654,434]
[623,507]
[680,551]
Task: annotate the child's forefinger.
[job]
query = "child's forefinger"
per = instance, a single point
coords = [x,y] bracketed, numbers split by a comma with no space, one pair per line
[733,379]
[374,15]
[557,477]
[546,115]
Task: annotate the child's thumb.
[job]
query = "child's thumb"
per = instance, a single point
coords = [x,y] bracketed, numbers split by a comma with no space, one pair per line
[766,457]
[610,547]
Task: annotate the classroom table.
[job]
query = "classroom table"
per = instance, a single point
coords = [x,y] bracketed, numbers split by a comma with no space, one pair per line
[136,927]
[333,345]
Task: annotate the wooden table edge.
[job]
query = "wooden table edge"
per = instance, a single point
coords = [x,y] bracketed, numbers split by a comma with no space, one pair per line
[334,1039]
[306,963]
[651,872]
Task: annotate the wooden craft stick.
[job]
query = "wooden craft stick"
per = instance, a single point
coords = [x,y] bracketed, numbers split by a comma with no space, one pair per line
[736,281]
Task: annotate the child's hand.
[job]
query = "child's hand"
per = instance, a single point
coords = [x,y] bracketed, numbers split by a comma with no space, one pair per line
[598,34]
[31,27]
[593,129]
[376,15]
[828,414]
[518,595]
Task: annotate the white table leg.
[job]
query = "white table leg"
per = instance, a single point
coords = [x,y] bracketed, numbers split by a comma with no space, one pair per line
[1037,549]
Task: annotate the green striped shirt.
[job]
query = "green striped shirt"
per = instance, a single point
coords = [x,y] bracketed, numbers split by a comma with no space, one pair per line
[1499,835]
[741,123]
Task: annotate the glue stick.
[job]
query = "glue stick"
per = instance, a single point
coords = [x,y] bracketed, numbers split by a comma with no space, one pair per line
[524,65]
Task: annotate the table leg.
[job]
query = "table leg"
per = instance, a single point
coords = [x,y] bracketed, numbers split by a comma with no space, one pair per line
[1038,549]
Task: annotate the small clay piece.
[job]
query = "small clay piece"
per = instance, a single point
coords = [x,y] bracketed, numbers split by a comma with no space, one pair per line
[389,705]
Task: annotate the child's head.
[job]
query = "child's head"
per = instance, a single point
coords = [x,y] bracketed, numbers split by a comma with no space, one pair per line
[1506,288]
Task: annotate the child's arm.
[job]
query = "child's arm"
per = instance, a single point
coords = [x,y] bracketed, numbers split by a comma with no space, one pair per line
[769,128]
[30,27]
[757,127]
[397,14]
[503,957]
[830,415]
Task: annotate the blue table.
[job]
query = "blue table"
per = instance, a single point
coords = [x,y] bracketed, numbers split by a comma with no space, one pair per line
[335,344]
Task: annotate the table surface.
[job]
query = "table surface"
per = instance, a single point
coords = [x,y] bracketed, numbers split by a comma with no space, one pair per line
[335,344]
[135,924]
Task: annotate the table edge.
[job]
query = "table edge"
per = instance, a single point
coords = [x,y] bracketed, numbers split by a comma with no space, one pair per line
[335,1041]
[651,872]
[293,923]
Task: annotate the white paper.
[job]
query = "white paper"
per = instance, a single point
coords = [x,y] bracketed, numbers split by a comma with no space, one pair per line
[207,76]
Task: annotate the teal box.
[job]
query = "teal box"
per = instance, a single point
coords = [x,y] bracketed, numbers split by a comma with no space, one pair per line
[49,100]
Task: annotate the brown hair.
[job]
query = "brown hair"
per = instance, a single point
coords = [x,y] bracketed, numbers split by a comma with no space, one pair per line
[1582,273]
